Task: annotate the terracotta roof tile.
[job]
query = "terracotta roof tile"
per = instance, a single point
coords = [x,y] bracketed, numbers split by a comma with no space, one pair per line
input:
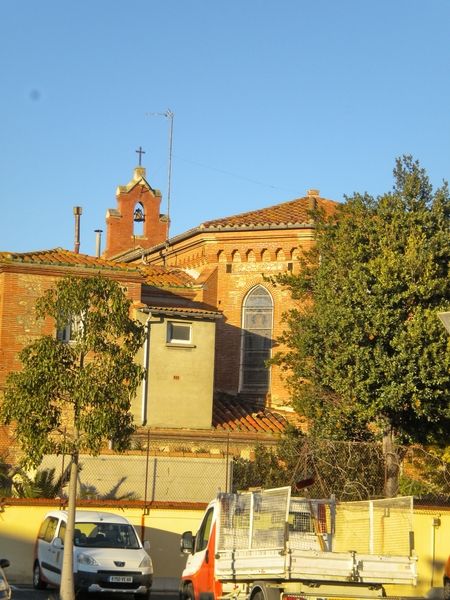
[61,257]
[234,415]
[294,212]
[190,309]
[158,276]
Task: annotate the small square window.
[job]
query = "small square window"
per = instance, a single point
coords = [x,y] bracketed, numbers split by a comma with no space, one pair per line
[179,333]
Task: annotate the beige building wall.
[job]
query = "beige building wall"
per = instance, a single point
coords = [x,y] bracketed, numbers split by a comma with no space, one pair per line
[179,389]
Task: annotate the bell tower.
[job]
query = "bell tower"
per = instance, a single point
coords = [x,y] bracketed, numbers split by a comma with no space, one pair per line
[137,221]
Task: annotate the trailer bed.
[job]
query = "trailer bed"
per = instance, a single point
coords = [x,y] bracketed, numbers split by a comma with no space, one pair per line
[269,536]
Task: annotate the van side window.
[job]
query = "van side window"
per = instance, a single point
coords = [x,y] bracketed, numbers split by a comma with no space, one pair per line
[48,529]
[202,537]
[62,531]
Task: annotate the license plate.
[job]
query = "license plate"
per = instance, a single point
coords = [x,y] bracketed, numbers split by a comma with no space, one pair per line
[120,579]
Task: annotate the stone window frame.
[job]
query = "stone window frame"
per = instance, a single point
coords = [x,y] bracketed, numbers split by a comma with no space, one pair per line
[264,387]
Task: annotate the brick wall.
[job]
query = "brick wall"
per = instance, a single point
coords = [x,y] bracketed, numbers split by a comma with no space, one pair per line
[19,291]
[19,326]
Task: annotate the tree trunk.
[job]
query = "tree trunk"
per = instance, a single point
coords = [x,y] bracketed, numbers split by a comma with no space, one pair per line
[391,462]
[67,588]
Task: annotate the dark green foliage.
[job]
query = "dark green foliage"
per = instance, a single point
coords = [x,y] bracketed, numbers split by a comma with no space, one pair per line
[44,484]
[367,356]
[263,471]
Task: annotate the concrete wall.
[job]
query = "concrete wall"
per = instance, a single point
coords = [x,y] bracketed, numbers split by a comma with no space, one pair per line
[193,478]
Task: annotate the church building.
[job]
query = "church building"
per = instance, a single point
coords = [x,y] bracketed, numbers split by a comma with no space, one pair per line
[231,260]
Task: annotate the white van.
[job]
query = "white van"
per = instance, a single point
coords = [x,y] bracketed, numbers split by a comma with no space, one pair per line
[108,555]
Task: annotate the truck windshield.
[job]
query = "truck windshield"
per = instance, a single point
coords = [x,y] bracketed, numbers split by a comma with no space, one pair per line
[105,535]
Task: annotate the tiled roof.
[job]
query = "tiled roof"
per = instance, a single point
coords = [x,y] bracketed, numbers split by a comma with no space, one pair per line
[294,212]
[158,276]
[193,309]
[165,276]
[231,414]
[289,215]
[61,257]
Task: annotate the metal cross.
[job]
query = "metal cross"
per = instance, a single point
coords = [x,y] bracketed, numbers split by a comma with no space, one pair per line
[140,152]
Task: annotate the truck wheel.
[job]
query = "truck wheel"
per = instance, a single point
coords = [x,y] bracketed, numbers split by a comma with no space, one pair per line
[447,590]
[38,582]
[258,596]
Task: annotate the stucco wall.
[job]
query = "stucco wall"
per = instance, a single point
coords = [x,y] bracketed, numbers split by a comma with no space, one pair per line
[180,388]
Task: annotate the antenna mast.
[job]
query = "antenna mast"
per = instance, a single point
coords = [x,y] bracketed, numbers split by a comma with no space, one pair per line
[169,115]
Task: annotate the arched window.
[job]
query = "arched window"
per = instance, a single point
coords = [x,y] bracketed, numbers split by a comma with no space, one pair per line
[257,318]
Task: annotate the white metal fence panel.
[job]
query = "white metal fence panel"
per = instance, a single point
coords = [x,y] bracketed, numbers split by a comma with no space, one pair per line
[375,527]
[254,519]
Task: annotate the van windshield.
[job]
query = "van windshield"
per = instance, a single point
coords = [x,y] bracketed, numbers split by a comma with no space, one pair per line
[105,535]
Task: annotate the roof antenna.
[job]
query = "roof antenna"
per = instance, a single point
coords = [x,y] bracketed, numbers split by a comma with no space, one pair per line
[169,115]
[77,211]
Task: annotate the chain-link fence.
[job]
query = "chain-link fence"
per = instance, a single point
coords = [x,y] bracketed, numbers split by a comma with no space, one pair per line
[148,478]
[348,471]
[180,468]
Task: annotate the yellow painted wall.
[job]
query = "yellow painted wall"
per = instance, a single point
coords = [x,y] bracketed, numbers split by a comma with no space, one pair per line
[432,547]
[19,526]
[162,527]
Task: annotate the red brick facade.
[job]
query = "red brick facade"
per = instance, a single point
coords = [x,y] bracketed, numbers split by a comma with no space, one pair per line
[20,286]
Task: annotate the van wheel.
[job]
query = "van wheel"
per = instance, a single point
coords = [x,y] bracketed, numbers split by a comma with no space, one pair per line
[38,582]
[188,592]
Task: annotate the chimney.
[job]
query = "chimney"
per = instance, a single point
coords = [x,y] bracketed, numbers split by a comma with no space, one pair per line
[98,242]
[77,211]
[312,196]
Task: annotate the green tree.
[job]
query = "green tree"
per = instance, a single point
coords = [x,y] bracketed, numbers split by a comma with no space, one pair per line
[367,356]
[73,397]
[42,484]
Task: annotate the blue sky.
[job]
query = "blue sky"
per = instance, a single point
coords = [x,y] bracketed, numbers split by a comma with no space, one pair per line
[271,98]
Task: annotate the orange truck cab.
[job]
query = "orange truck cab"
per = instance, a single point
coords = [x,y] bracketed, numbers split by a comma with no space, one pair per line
[198,579]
